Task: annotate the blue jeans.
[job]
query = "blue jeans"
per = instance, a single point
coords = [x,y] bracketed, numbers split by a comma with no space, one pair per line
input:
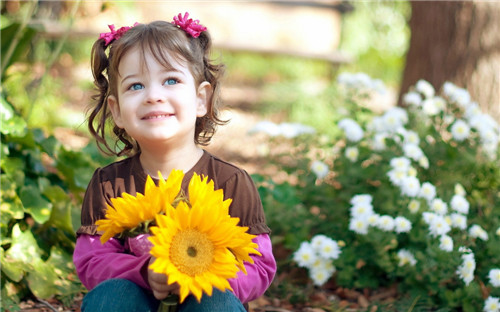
[121,295]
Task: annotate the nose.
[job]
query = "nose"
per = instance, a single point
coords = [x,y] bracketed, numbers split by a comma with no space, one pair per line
[156,94]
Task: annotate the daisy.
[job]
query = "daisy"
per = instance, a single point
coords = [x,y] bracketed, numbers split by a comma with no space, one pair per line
[414,206]
[476,231]
[494,277]
[361,210]
[425,88]
[319,168]
[438,226]
[359,225]
[410,186]
[352,129]
[385,223]
[427,191]
[402,225]
[460,130]
[446,243]
[458,221]
[406,257]
[305,255]
[361,198]
[352,153]
[491,304]
[412,98]
[460,204]
[439,206]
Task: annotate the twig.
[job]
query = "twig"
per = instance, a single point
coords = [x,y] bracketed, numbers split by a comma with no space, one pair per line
[47,304]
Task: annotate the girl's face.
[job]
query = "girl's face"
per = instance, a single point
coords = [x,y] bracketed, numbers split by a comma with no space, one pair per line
[155,104]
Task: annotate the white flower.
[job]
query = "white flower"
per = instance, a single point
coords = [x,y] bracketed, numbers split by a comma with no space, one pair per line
[476,231]
[397,176]
[414,206]
[424,162]
[428,217]
[394,118]
[319,168]
[491,304]
[402,225]
[460,130]
[267,127]
[372,219]
[494,277]
[359,225]
[439,206]
[378,142]
[293,130]
[406,257]
[459,189]
[412,98]
[321,271]
[410,186]
[305,255]
[497,232]
[352,129]
[466,270]
[430,107]
[472,110]
[413,151]
[385,223]
[362,210]
[458,221]
[460,204]
[329,249]
[400,163]
[361,199]
[427,191]
[425,88]
[352,153]
[317,242]
[446,243]
[411,137]
[438,225]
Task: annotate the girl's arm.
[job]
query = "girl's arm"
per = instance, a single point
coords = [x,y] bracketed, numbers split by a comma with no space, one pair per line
[260,274]
[96,262]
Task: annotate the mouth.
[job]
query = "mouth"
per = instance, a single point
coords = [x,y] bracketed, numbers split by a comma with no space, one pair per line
[156,115]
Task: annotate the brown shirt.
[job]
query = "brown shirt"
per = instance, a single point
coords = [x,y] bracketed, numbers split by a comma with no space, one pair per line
[128,176]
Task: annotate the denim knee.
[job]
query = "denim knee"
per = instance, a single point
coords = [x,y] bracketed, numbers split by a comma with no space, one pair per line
[219,301]
[119,295]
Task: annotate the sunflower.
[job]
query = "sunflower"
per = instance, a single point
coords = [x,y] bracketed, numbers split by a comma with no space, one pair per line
[198,244]
[134,213]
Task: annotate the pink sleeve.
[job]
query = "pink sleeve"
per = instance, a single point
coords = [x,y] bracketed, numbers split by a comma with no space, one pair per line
[96,262]
[260,274]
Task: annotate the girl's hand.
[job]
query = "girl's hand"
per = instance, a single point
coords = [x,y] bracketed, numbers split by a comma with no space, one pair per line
[159,285]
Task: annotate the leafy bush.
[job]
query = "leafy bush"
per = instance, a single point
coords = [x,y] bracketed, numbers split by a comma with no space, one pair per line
[411,195]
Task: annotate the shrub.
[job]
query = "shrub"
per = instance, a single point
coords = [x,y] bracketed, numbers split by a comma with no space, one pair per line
[412,193]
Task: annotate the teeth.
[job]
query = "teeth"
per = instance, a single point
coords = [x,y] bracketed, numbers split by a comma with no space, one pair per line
[156,116]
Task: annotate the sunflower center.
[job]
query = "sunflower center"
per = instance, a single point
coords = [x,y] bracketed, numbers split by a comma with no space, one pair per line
[191,252]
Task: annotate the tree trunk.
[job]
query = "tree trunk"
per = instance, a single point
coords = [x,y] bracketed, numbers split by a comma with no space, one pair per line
[457,42]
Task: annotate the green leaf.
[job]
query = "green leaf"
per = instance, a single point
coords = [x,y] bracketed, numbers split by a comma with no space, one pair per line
[10,123]
[60,216]
[10,297]
[24,246]
[12,268]
[42,279]
[11,204]
[35,204]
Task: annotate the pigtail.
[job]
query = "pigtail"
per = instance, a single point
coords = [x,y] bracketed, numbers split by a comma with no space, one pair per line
[213,72]
[100,114]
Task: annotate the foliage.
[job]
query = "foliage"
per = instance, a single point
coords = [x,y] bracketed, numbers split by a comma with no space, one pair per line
[42,184]
[461,162]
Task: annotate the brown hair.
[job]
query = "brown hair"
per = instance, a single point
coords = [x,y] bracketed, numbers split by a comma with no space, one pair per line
[164,41]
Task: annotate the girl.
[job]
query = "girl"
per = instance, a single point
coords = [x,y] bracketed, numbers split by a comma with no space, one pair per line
[160,92]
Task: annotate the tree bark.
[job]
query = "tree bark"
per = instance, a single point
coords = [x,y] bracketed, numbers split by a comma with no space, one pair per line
[457,42]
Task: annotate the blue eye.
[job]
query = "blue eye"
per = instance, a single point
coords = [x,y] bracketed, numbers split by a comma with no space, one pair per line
[136,86]
[171,81]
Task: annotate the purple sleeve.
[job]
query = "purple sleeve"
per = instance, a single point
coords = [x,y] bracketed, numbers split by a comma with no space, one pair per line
[260,274]
[96,262]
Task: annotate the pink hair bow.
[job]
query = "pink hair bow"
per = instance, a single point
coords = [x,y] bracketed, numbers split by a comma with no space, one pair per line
[192,27]
[114,34]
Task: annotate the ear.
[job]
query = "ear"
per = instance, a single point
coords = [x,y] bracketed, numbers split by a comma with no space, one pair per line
[203,97]
[114,107]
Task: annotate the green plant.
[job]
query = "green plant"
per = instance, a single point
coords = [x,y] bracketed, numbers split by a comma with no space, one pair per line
[412,194]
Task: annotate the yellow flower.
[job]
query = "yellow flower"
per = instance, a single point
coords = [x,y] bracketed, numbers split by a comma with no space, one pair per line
[130,212]
[198,244]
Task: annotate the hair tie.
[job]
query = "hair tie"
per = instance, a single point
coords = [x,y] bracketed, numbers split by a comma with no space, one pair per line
[192,27]
[114,34]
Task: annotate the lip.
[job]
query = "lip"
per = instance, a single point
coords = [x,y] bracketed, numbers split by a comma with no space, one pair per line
[156,115]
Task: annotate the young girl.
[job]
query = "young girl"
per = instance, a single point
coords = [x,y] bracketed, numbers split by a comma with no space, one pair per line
[160,92]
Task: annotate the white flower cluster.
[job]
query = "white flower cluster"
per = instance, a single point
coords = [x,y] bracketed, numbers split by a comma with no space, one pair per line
[466,269]
[363,216]
[488,130]
[317,256]
[360,82]
[285,129]
[319,168]
[352,130]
